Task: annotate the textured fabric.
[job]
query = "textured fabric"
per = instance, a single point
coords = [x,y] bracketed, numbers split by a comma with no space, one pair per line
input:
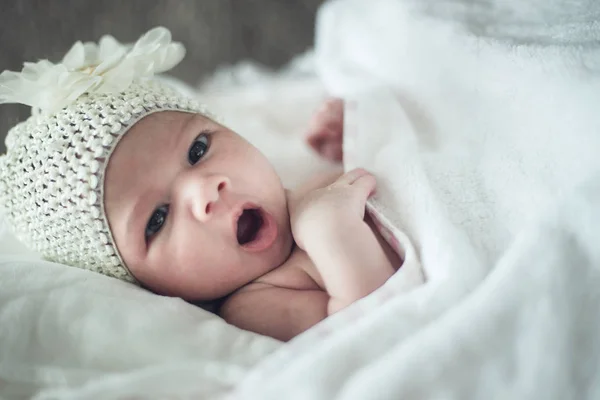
[486,157]
[52,177]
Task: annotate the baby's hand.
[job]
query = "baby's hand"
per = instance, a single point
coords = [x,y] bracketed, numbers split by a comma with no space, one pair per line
[326,131]
[325,211]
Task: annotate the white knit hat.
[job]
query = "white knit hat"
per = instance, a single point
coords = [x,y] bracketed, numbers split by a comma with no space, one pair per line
[52,176]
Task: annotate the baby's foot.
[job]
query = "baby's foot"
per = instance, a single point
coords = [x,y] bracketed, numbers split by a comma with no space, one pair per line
[326,131]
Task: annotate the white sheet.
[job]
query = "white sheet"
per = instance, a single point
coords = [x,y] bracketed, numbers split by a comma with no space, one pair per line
[486,150]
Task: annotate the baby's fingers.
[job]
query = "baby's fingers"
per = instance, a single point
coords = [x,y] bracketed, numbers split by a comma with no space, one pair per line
[359,179]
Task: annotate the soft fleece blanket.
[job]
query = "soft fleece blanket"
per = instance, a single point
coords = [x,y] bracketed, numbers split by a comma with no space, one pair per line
[481,122]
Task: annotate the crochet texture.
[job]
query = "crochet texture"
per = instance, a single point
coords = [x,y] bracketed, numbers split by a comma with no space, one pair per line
[52,177]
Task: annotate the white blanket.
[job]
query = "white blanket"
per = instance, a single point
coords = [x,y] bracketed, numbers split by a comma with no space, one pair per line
[486,143]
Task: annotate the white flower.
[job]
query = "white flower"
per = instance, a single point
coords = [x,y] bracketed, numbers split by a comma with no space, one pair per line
[106,67]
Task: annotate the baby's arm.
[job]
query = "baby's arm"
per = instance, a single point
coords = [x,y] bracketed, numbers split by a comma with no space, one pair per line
[329,225]
[277,312]
[350,260]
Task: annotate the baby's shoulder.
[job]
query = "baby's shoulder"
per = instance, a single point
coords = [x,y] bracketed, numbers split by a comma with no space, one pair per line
[297,272]
[280,304]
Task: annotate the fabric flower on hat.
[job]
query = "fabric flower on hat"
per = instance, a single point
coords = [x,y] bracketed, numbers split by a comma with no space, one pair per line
[106,67]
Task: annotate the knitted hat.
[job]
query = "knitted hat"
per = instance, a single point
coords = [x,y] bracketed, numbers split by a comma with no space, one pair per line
[52,176]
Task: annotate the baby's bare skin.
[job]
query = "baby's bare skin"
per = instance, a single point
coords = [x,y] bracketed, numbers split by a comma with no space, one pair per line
[176,187]
[294,297]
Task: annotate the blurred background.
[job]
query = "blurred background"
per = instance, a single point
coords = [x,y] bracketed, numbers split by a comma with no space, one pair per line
[214,32]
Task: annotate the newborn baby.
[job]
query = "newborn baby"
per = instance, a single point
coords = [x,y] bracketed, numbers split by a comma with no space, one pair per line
[120,174]
[198,212]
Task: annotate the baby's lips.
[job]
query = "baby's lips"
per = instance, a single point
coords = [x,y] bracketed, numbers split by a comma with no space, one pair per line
[267,235]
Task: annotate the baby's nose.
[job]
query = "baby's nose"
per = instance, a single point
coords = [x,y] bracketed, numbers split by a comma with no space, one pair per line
[202,195]
[214,189]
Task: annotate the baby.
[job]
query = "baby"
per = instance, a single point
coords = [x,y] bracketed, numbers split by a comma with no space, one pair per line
[119,174]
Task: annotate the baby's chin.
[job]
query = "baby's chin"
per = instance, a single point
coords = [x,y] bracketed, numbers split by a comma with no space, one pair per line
[277,255]
[250,269]
[259,266]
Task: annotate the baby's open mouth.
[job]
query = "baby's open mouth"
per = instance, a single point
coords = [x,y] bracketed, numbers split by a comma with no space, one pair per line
[248,225]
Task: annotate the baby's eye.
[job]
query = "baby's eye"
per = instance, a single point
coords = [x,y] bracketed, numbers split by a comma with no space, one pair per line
[156,222]
[198,148]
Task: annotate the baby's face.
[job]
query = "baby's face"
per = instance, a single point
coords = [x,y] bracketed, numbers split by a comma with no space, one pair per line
[195,210]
